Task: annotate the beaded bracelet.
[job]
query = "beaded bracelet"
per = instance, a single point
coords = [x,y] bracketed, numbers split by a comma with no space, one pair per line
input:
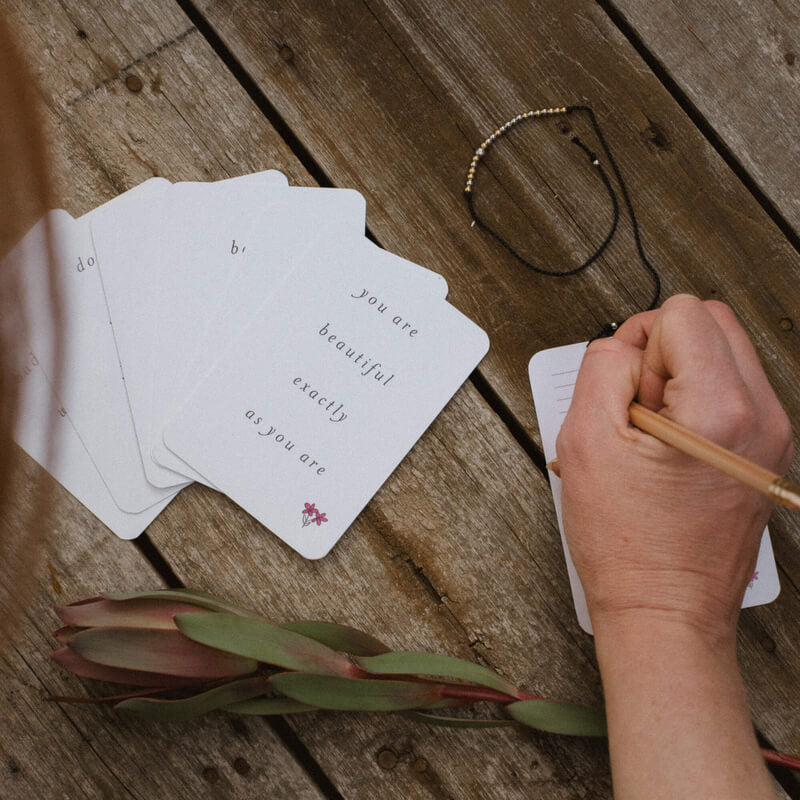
[490,140]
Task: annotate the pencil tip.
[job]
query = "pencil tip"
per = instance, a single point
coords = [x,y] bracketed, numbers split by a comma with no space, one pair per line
[554,467]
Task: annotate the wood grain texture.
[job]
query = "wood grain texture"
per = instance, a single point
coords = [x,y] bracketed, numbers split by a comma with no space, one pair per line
[180,120]
[392,98]
[459,552]
[128,136]
[50,750]
[739,65]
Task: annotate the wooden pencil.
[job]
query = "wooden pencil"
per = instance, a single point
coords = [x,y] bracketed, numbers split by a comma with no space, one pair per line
[779,488]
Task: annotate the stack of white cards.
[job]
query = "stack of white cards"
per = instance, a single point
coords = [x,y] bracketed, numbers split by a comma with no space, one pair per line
[243,334]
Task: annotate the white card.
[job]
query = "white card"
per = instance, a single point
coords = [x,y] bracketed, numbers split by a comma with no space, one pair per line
[251,287]
[91,386]
[212,244]
[552,374]
[125,237]
[315,404]
[131,237]
[45,432]
[273,254]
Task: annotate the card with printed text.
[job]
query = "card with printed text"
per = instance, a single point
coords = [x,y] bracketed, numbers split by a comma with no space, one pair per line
[316,402]
[245,334]
[91,387]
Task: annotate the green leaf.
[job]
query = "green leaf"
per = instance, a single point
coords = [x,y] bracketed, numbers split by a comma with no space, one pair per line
[190,596]
[555,717]
[404,663]
[258,639]
[458,722]
[354,694]
[166,652]
[339,637]
[266,706]
[69,660]
[197,705]
[139,612]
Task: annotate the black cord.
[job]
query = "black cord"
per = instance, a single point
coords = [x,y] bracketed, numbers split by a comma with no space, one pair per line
[476,220]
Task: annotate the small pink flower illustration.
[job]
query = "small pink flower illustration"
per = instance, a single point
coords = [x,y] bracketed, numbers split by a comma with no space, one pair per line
[312,514]
[753,580]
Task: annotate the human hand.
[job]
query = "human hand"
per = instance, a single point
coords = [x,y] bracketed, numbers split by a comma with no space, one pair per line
[652,531]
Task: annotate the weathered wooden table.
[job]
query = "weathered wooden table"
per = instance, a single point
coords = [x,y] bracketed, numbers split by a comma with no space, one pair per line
[458,552]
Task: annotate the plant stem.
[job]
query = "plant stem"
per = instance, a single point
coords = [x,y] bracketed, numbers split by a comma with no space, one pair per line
[780,759]
[107,699]
[457,691]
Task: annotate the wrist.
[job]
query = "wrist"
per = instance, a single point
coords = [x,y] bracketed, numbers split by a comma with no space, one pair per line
[674,696]
[657,629]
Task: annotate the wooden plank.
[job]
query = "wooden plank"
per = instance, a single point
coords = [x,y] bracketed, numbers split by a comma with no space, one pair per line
[458,554]
[106,123]
[738,65]
[50,750]
[392,98]
[90,65]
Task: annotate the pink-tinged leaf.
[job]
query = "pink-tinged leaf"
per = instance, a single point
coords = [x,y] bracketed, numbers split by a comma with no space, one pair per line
[339,637]
[353,694]
[190,596]
[136,613]
[269,706]
[64,635]
[69,660]
[255,638]
[165,652]
[197,705]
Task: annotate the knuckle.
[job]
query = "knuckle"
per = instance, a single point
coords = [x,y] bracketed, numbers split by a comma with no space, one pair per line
[564,441]
[681,303]
[735,422]
[721,310]
[782,433]
[783,428]
[606,345]
[738,413]
[570,440]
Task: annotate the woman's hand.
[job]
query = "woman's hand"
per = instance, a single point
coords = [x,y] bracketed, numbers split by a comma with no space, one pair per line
[665,545]
[650,529]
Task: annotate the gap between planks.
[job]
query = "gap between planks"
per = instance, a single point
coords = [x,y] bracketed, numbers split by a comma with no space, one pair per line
[699,121]
[788,781]
[291,741]
[314,168]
